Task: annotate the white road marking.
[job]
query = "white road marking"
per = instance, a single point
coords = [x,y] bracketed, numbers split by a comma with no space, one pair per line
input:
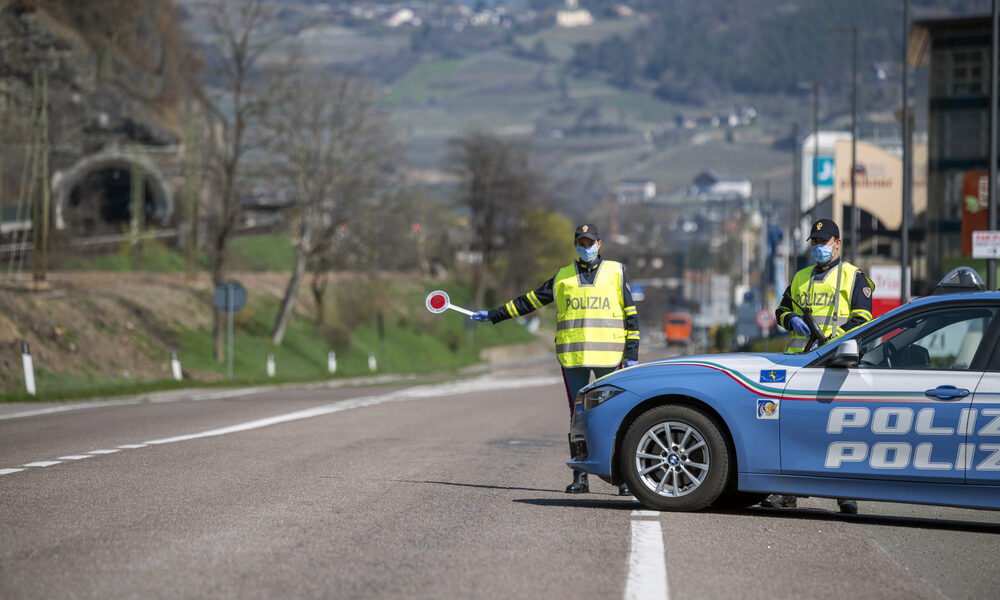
[435,391]
[479,384]
[63,408]
[645,513]
[42,463]
[647,569]
[76,457]
[195,396]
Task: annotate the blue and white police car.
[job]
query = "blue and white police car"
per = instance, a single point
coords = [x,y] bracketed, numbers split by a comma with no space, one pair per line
[905,408]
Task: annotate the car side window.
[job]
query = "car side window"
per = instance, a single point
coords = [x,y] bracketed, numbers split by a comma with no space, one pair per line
[939,339]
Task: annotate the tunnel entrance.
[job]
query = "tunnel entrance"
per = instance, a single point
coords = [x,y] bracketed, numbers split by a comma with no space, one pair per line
[95,196]
[101,202]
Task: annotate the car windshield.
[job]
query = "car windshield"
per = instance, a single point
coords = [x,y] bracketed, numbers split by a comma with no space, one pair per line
[939,339]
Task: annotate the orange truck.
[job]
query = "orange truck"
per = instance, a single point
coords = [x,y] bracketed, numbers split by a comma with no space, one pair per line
[677,328]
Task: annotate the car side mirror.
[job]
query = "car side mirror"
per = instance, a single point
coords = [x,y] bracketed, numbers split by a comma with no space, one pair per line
[846,354]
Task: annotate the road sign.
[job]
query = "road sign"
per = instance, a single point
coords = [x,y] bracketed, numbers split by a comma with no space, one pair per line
[765,319]
[638,292]
[230,296]
[986,244]
[823,171]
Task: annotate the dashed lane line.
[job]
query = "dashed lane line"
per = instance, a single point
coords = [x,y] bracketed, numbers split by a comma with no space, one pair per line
[43,463]
[189,396]
[480,384]
[647,569]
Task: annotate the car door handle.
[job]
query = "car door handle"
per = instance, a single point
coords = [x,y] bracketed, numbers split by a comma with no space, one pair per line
[947,392]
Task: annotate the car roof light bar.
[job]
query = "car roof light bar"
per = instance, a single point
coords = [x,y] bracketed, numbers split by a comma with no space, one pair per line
[960,279]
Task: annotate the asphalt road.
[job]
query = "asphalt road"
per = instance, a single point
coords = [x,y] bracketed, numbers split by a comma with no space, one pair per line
[414,491]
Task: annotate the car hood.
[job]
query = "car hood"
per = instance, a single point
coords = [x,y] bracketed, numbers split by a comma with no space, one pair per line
[766,371]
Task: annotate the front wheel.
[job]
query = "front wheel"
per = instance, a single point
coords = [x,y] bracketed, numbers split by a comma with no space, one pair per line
[675,458]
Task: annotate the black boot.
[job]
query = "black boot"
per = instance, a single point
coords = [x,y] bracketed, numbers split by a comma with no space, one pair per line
[848,507]
[623,490]
[580,484]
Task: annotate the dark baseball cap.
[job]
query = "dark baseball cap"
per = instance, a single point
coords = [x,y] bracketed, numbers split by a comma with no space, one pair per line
[824,229]
[587,230]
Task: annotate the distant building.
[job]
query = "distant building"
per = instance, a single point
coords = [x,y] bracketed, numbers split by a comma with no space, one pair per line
[573,16]
[708,186]
[623,11]
[951,111]
[402,17]
[635,192]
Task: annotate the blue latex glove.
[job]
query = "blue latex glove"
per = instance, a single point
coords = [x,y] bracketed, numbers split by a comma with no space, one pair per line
[483,316]
[799,325]
[629,363]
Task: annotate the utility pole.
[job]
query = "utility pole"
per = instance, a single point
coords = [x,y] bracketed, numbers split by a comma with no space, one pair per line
[991,264]
[853,29]
[46,189]
[796,196]
[137,204]
[40,179]
[815,181]
[904,230]
[3,118]
[192,185]
[854,145]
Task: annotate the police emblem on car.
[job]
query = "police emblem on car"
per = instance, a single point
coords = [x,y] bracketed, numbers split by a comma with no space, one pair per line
[767,408]
[772,376]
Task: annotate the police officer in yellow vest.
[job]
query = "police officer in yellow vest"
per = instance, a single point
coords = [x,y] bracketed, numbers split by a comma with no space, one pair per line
[596,321]
[839,295]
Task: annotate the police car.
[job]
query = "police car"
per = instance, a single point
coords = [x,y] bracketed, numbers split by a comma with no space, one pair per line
[903,409]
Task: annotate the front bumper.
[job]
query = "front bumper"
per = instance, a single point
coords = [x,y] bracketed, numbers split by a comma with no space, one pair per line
[593,434]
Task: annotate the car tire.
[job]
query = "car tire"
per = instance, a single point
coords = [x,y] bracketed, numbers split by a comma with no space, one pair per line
[732,500]
[675,458]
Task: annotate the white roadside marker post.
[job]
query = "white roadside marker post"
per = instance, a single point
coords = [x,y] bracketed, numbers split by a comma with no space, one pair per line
[372,365]
[331,362]
[175,366]
[29,368]
[270,365]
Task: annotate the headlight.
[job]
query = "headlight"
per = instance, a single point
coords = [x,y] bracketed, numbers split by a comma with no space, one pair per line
[596,396]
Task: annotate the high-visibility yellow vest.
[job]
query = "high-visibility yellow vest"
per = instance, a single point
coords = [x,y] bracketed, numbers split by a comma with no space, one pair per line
[590,319]
[829,300]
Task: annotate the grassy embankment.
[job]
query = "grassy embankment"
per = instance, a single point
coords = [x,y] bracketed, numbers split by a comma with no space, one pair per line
[414,340]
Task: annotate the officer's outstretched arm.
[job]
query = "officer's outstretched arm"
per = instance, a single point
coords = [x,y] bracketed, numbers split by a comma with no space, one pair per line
[523,304]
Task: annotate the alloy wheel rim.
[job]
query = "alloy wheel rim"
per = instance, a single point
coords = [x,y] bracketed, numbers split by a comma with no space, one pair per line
[672,459]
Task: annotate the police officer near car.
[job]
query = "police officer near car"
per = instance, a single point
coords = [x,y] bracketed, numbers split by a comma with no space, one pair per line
[839,297]
[596,321]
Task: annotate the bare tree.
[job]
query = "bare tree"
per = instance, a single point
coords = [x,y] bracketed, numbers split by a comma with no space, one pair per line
[238,91]
[336,149]
[498,186]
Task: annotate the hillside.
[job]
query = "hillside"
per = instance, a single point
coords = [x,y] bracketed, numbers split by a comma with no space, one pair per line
[95,333]
[603,102]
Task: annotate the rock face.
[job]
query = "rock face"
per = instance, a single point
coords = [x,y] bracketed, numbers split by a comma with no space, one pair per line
[112,72]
